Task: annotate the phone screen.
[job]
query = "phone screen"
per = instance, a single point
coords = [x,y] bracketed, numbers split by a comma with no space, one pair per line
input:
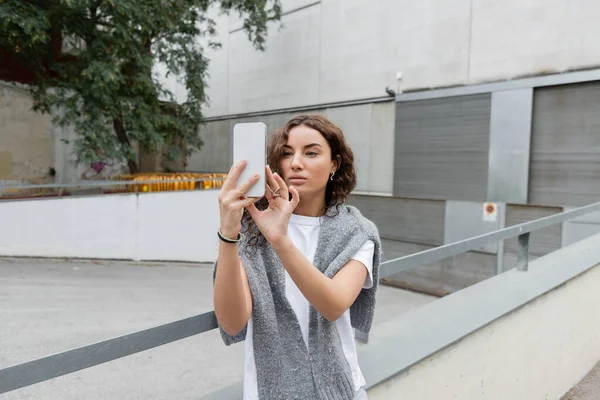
[250,144]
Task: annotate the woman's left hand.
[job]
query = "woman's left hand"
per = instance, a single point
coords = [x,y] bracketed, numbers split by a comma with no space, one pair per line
[273,222]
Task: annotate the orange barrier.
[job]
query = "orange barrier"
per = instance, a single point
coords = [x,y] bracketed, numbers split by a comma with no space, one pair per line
[169,182]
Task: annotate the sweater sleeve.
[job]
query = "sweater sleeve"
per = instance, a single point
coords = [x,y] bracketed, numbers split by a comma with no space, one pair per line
[352,232]
[363,309]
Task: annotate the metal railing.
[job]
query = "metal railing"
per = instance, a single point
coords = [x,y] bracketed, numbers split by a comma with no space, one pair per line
[43,369]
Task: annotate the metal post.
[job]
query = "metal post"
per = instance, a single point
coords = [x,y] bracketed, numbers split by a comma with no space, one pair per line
[523,252]
[500,258]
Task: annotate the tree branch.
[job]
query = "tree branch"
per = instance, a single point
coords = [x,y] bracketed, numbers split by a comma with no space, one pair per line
[124,139]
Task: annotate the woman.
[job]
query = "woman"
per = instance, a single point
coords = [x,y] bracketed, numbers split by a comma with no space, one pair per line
[299,269]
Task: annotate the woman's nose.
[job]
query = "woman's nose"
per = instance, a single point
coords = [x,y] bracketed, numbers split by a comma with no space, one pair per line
[296,162]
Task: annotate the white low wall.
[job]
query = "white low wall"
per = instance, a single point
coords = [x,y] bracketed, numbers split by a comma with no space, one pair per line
[521,335]
[175,226]
[178,226]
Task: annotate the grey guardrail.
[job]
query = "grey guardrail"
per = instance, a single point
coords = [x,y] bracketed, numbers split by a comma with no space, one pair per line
[64,363]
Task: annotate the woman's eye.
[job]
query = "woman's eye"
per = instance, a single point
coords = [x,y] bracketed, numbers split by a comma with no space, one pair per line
[311,153]
[287,154]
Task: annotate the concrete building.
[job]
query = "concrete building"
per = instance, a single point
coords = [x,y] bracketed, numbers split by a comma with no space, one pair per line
[495,102]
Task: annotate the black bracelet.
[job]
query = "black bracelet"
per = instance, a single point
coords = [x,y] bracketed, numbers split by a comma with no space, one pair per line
[227,240]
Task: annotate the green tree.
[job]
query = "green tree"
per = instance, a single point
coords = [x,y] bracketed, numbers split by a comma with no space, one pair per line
[93,60]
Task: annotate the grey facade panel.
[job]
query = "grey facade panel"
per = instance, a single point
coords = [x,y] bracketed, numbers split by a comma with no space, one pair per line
[510,141]
[215,155]
[442,148]
[409,220]
[355,122]
[565,147]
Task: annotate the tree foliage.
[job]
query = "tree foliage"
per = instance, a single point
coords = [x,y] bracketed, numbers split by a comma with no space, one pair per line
[93,61]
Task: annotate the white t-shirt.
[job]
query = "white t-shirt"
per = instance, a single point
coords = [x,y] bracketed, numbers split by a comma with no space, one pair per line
[304,233]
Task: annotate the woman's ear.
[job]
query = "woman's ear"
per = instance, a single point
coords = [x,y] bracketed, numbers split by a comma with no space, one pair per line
[337,163]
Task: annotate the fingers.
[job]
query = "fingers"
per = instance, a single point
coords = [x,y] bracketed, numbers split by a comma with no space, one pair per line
[268,192]
[229,191]
[242,203]
[270,179]
[295,197]
[246,202]
[233,175]
[254,212]
[283,189]
[275,186]
[242,190]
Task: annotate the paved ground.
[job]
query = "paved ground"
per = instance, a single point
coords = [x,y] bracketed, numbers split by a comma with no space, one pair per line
[588,388]
[52,306]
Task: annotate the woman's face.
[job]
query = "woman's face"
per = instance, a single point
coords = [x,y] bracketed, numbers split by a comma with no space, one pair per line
[306,161]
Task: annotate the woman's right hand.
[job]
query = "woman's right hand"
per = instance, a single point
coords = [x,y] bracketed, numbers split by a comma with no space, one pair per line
[232,200]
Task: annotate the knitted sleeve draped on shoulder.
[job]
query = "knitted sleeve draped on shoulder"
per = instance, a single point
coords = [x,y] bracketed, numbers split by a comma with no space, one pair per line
[363,308]
[349,231]
[341,234]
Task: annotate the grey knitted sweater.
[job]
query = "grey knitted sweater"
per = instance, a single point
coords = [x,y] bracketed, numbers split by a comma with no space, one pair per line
[285,368]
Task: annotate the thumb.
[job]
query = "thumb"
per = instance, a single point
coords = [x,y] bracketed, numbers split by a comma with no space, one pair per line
[254,212]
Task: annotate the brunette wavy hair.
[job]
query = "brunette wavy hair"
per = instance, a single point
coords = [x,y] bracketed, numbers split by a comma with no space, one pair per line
[337,190]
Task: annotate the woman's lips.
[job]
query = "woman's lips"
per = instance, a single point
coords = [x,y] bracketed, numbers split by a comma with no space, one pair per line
[297,181]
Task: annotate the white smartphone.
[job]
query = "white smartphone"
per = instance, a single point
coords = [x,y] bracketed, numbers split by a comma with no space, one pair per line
[250,144]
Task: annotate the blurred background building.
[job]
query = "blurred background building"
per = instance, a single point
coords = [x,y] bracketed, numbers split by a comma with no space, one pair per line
[448,106]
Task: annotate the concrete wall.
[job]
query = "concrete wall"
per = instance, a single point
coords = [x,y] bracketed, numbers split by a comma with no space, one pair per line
[335,50]
[26,140]
[65,160]
[177,226]
[30,144]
